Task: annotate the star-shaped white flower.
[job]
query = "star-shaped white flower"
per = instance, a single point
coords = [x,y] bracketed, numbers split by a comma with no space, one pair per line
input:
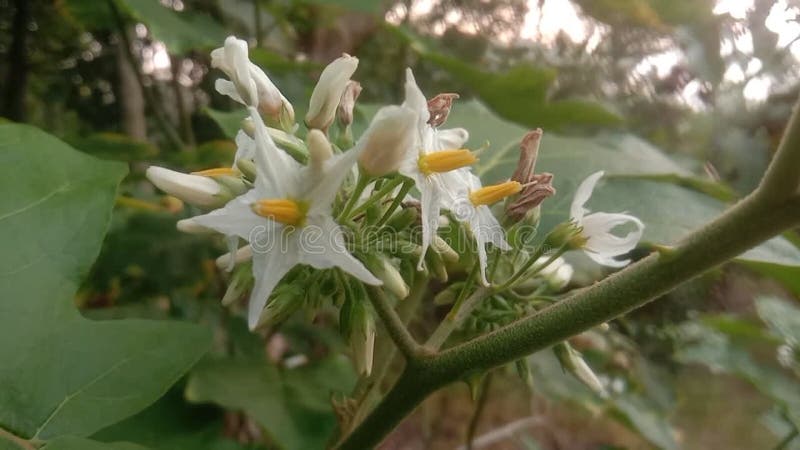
[287,218]
[436,163]
[471,207]
[601,245]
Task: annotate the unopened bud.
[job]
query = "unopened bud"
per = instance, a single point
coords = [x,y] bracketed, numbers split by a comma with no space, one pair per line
[572,361]
[387,141]
[248,169]
[284,302]
[448,295]
[348,102]
[439,108]
[193,189]
[328,91]
[241,279]
[192,227]
[392,279]
[565,234]
[434,263]
[557,274]
[319,150]
[227,260]
[248,83]
[362,337]
[444,250]
[403,219]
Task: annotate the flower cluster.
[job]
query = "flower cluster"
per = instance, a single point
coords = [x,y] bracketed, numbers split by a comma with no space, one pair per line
[296,201]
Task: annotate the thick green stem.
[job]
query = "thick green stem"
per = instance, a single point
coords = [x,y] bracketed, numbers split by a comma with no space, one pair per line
[783,175]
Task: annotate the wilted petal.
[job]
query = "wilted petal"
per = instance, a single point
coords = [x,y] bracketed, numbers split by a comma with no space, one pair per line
[597,229]
[576,211]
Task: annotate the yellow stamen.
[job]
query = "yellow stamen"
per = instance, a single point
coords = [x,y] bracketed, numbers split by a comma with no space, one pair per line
[491,194]
[218,172]
[283,210]
[446,160]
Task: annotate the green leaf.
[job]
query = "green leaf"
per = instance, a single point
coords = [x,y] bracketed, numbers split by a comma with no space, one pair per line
[293,405]
[639,180]
[78,443]
[782,318]
[180,31]
[520,94]
[63,374]
[367,6]
[230,122]
[172,424]
[114,146]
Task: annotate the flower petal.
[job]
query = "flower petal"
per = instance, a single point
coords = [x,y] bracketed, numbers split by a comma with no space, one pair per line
[334,171]
[277,173]
[486,229]
[321,245]
[415,99]
[452,138]
[430,206]
[235,218]
[268,269]
[582,194]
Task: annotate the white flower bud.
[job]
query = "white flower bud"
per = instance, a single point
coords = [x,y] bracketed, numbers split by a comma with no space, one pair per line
[348,102]
[243,254]
[328,91]
[362,341]
[319,150]
[557,274]
[392,279]
[443,248]
[190,226]
[388,140]
[194,189]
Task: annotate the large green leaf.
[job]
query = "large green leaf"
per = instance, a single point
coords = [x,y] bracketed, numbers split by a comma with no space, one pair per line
[642,180]
[519,94]
[63,374]
[171,424]
[782,317]
[180,31]
[293,405]
[78,443]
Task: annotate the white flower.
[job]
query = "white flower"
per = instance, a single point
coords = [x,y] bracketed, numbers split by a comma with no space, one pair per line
[197,190]
[472,207]
[287,218]
[328,91]
[601,245]
[248,84]
[436,163]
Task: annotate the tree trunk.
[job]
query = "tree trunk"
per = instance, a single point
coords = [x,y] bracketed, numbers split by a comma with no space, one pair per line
[17,77]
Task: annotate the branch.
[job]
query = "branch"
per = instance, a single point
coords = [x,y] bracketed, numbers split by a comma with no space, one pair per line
[773,208]
[394,325]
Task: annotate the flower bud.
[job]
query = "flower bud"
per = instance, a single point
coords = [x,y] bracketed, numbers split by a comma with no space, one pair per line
[348,102]
[241,279]
[193,189]
[565,234]
[392,279]
[387,141]
[328,91]
[362,337]
[192,227]
[557,274]
[228,260]
[403,219]
[572,361]
[285,301]
[319,150]
[444,250]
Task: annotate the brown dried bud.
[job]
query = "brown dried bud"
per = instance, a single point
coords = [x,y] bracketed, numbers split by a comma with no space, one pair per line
[537,187]
[439,108]
[348,102]
[528,152]
[531,196]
